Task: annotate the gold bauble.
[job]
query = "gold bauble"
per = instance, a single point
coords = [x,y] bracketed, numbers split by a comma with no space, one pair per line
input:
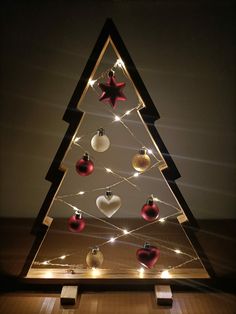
[94,258]
[141,161]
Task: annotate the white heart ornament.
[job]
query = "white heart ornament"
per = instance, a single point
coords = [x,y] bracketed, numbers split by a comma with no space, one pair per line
[108,205]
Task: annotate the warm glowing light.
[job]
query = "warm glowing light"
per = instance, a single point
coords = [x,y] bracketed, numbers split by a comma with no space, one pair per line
[92,82]
[125,231]
[136,174]
[95,271]
[81,193]
[162,220]
[45,262]
[149,151]
[48,274]
[77,139]
[112,240]
[165,274]
[119,63]
[141,270]
[117,118]
[177,251]
[63,257]
[108,170]
[127,112]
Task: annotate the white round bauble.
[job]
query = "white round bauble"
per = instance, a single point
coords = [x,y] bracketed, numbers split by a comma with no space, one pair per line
[100,142]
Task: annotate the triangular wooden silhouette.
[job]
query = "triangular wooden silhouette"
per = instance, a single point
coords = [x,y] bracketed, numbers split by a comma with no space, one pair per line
[110,35]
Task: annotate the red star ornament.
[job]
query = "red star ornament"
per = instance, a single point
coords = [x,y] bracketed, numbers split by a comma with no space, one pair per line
[112,91]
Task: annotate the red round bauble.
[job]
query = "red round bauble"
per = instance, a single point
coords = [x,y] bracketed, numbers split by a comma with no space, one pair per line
[150,210]
[84,166]
[148,255]
[76,223]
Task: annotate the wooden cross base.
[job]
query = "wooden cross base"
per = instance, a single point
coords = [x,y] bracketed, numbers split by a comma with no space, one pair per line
[69,295]
[163,295]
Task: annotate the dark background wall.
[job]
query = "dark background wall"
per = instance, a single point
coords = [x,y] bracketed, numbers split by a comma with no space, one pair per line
[183,50]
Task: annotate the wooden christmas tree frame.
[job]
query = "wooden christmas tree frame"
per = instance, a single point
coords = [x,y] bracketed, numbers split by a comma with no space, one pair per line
[148,114]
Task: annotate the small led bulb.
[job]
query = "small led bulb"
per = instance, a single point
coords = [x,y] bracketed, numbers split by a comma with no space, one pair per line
[117,118]
[177,251]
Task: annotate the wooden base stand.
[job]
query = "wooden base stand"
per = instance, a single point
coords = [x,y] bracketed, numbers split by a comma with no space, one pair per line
[69,295]
[163,295]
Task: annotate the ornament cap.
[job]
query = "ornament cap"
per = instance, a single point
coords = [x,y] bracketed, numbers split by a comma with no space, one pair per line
[146,245]
[95,250]
[78,214]
[111,73]
[101,131]
[108,194]
[150,200]
[142,151]
[86,156]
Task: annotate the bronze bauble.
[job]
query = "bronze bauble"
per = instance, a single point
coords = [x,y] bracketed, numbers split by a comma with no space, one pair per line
[94,258]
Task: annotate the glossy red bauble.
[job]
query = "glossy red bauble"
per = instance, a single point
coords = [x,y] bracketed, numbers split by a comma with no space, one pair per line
[76,223]
[148,255]
[150,211]
[84,166]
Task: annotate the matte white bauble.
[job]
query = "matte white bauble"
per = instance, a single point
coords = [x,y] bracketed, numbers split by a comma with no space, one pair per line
[108,204]
[100,142]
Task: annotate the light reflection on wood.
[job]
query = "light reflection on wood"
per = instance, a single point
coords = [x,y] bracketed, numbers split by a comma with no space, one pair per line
[194,273]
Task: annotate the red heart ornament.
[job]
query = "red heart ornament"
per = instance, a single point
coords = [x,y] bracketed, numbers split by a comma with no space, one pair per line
[148,255]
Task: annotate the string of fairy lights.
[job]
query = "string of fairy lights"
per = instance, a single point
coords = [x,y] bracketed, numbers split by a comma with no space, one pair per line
[124,232]
[134,233]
